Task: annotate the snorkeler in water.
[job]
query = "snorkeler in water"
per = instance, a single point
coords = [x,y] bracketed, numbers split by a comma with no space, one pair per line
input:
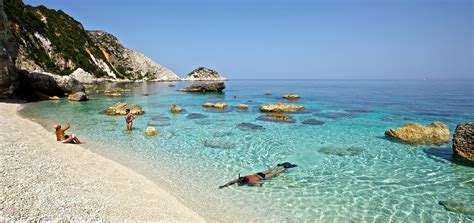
[257,179]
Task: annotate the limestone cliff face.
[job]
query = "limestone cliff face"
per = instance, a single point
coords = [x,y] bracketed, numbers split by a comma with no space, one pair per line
[204,74]
[127,62]
[9,78]
[52,41]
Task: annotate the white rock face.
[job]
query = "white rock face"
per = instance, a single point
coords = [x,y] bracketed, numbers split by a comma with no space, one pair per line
[83,76]
[129,63]
[204,74]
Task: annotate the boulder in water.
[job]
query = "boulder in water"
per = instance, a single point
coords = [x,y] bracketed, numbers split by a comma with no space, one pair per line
[276,118]
[78,96]
[242,106]
[150,131]
[50,84]
[281,107]
[205,86]
[414,133]
[291,97]
[247,126]
[463,140]
[120,107]
[174,108]
[350,151]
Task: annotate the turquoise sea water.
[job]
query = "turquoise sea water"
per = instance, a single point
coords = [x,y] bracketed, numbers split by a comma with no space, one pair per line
[369,179]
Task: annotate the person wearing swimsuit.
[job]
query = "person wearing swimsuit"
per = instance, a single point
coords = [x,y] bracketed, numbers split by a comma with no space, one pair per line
[128,119]
[61,134]
[257,179]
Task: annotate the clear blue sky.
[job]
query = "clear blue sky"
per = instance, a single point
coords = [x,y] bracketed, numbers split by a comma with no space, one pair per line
[320,39]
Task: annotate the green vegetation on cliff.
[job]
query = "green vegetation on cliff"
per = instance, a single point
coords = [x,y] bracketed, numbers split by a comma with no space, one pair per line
[69,41]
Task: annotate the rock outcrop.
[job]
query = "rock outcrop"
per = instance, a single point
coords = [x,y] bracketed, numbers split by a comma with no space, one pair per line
[242,106]
[463,140]
[79,96]
[50,84]
[205,86]
[291,96]
[174,108]
[120,107]
[414,133]
[84,77]
[218,105]
[276,118]
[129,63]
[204,74]
[9,79]
[281,107]
[150,131]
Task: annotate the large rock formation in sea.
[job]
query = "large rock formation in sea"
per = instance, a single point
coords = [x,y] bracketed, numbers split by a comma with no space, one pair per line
[414,133]
[129,63]
[9,78]
[49,84]
[463,140]
[205,86]
[52,41]
[204,74]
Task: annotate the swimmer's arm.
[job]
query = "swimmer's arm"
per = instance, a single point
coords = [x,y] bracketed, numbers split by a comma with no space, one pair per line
[228,184]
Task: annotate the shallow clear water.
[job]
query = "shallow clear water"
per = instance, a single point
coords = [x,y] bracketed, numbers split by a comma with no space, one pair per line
[374,179]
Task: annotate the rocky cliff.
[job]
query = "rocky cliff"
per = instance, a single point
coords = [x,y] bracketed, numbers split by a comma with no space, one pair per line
[8,52]
[204,74]
[129,63]
[52,41]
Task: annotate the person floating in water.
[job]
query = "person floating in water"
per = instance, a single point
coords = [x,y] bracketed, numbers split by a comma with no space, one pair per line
[128,119]
[257,179]
[61,134]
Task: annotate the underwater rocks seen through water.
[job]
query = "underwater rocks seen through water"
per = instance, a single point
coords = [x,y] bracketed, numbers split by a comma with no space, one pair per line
[312,122]
[196,116]
[350,151]
[247,126]
[218,144]
[276,118]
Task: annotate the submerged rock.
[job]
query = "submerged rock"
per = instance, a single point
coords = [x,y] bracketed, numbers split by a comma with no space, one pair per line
[334,115]
[218,144]
[312,122]
[414,133]
[218,105]
[205,86]
[276,118]
[247,126]
[174,108]
[457,207]
[350,151]
[120,107]
[394,119]
[291,97]
[196,116]
[79,96]
[150,131]
[463,140]
[281,107]
[222,134]
[204,74]
[357,110]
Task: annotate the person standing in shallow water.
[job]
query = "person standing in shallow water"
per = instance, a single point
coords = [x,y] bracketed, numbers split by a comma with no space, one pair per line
[128,119]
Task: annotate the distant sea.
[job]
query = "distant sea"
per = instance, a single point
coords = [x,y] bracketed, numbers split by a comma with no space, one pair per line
[347,169]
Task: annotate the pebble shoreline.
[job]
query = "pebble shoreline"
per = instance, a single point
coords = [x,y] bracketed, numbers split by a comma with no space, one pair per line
[44,180]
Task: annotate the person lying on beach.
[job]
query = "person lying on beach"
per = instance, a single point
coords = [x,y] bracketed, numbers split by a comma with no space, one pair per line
[128,119]
[61,134]
[256,179]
